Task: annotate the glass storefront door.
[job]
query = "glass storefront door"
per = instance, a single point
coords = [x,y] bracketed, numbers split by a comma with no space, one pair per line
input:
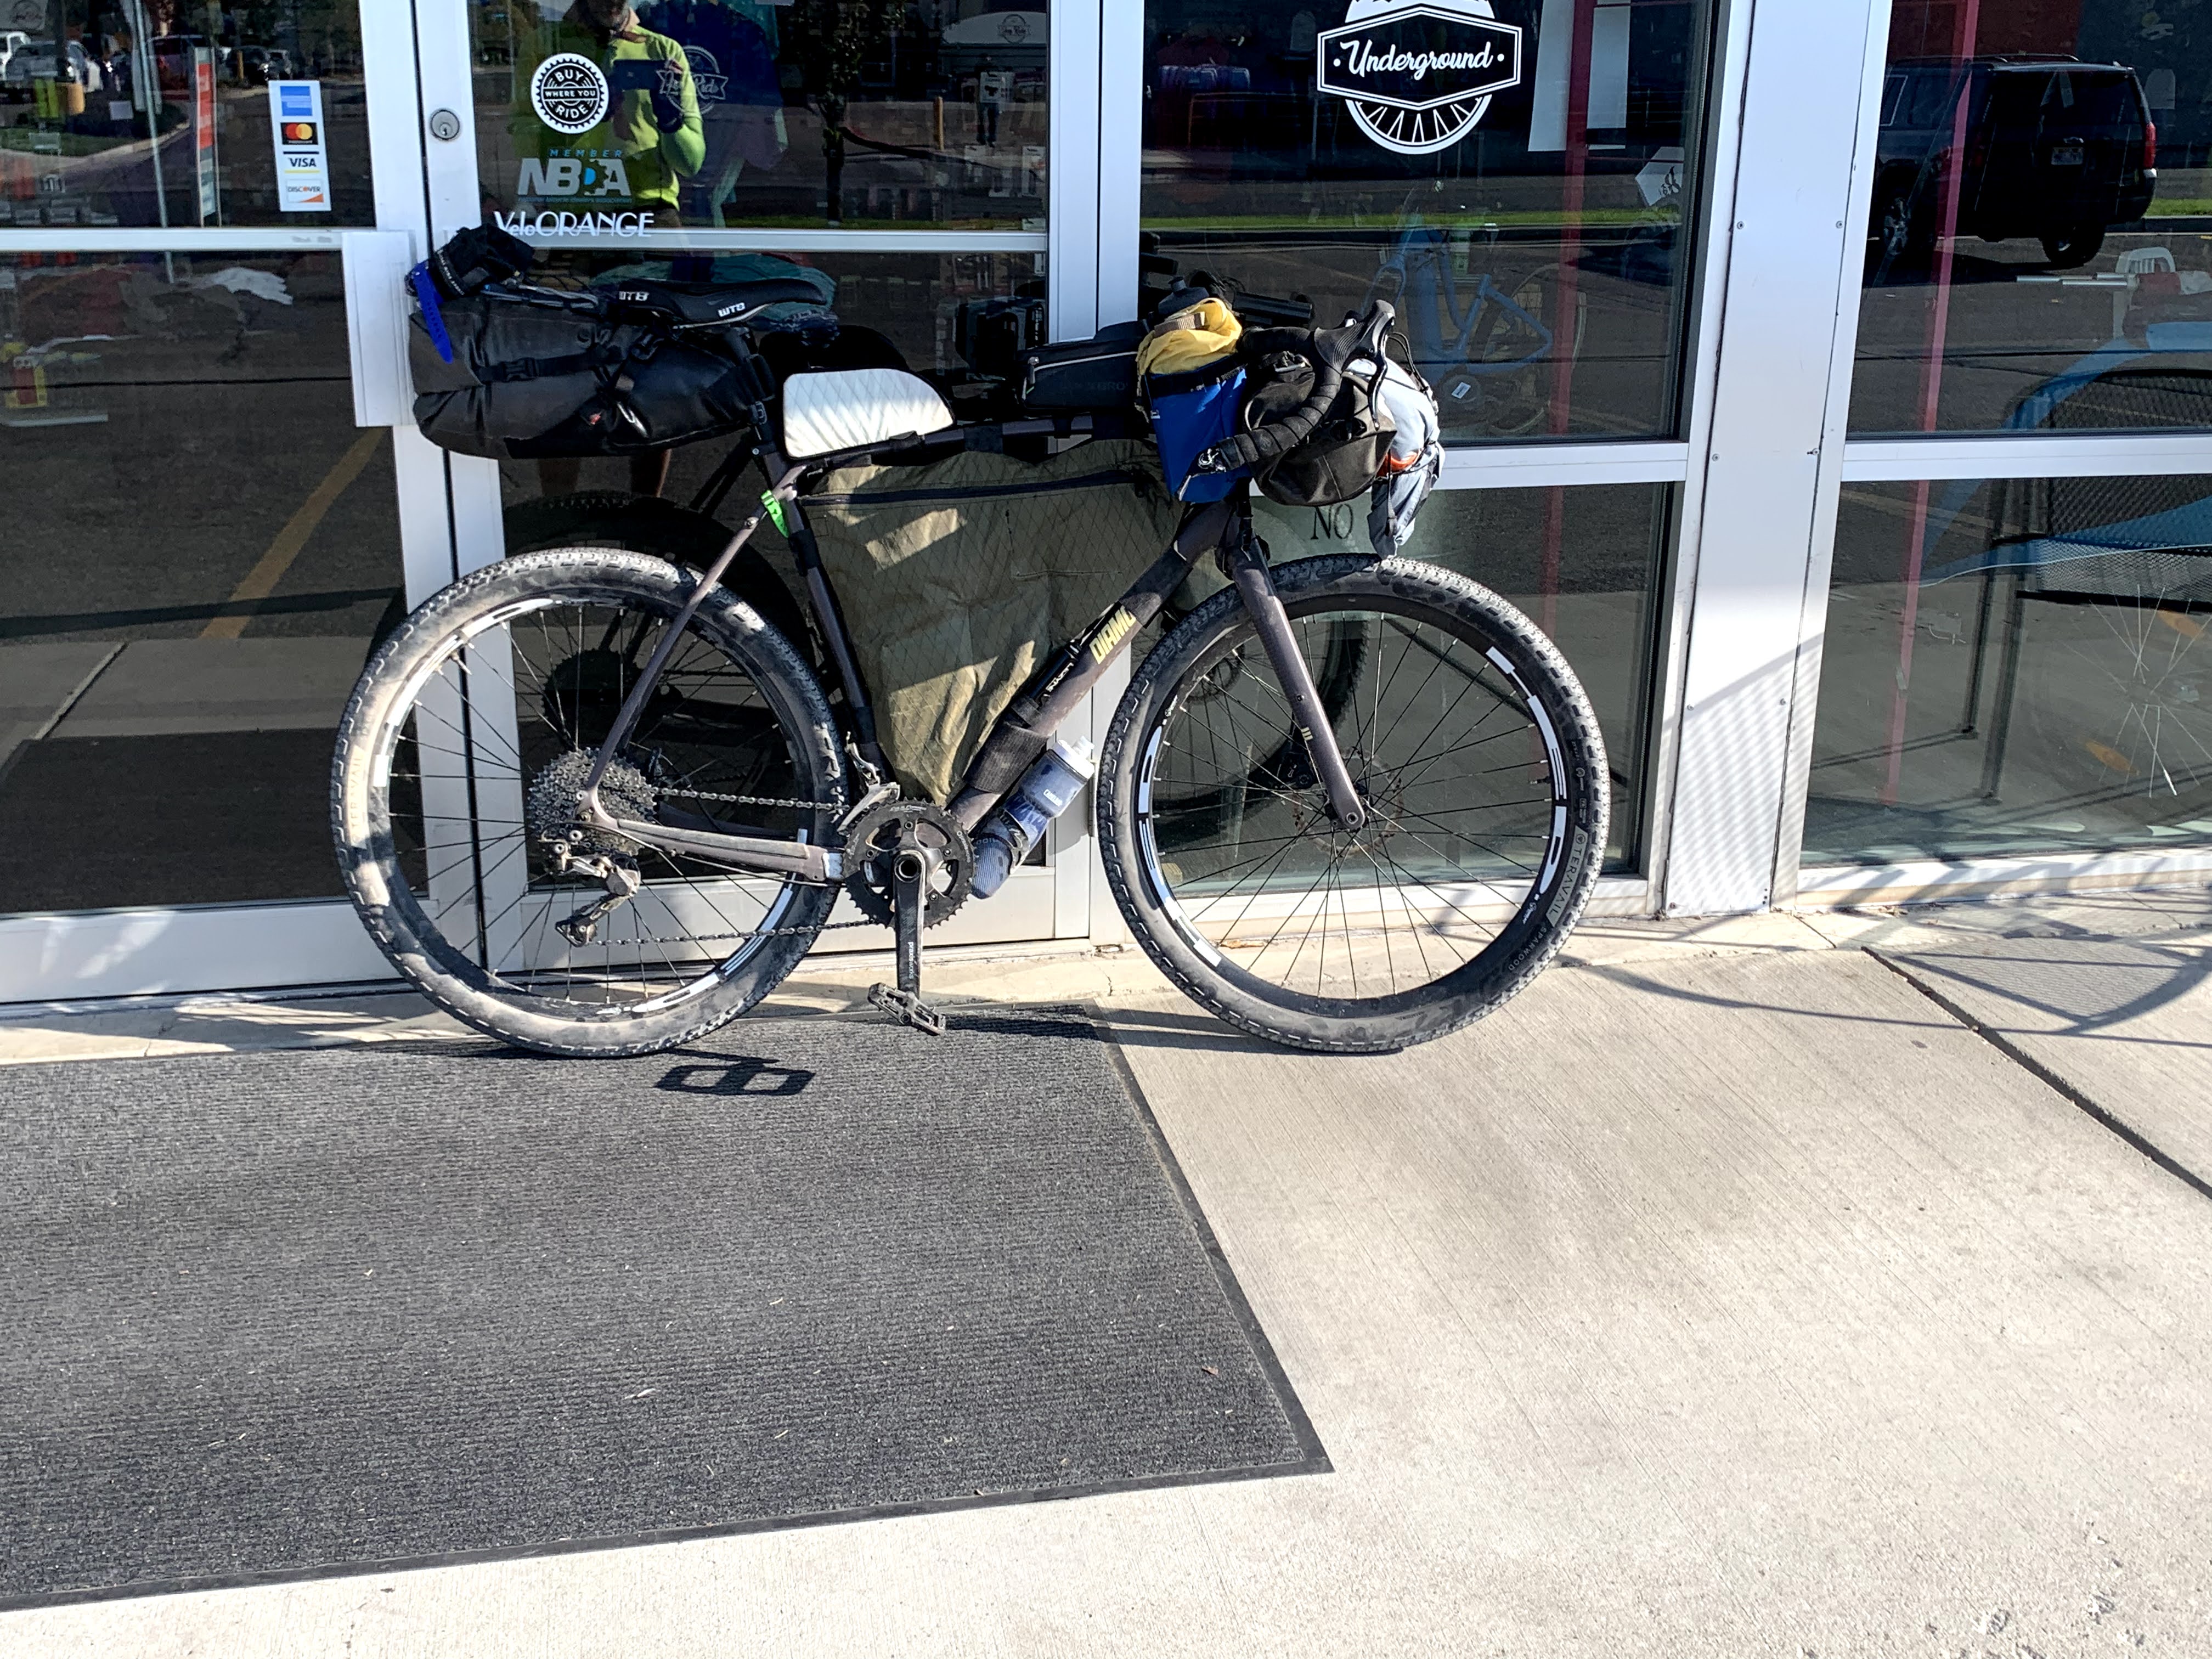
[2014,663]
[203,540]
[892,160]
[209,545]
[1520,179]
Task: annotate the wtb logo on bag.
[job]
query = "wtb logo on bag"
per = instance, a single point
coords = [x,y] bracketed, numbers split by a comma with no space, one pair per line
[1419,77]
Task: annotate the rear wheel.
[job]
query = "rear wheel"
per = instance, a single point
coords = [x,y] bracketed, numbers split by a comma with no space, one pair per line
[2067,249]
[463,751]
[1485,780]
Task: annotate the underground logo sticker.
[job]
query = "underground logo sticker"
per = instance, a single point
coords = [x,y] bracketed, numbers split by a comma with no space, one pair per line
[569,93]
[1417,77]
[714,86]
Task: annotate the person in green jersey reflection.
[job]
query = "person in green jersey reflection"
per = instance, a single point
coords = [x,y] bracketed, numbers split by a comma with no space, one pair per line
[618,131]
[605,121]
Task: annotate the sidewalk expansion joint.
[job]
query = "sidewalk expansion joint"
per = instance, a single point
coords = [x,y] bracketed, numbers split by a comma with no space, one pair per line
[2027,1062]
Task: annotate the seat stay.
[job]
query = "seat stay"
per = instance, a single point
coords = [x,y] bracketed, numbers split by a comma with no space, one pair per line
[626,719]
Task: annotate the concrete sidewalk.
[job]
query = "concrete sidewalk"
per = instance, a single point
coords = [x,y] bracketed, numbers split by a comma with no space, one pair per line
[1726,1294]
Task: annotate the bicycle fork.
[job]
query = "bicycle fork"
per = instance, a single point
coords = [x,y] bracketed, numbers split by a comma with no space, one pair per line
[1248,569]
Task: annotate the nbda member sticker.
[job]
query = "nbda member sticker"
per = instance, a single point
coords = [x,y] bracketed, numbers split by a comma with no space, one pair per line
[1417,77]
[569,93]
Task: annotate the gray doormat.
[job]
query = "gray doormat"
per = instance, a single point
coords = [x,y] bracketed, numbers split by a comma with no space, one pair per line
[279,1314]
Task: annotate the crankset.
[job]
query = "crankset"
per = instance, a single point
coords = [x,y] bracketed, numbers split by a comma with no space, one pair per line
[907,864]
[872,843]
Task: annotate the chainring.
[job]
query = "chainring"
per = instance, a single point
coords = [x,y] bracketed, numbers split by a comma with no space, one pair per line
[873,837]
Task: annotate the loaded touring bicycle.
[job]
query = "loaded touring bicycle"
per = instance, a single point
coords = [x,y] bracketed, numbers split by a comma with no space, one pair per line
[598,801]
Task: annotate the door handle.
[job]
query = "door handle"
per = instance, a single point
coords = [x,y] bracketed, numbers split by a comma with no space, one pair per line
[376,264]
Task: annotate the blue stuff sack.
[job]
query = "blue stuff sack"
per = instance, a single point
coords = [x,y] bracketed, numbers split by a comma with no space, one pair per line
[1191,413]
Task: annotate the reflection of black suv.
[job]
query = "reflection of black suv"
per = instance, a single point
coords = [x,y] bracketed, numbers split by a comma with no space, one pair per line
[2054,148]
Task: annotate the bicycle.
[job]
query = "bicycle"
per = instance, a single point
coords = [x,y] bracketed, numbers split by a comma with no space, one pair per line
[594,804]
[1486,356]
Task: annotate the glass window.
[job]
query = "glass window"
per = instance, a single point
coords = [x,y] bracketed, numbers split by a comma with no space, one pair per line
[861,113]
[133,113]
[2015,666]
[1514,177]
[201,551]
[1584,563]
[2039,217]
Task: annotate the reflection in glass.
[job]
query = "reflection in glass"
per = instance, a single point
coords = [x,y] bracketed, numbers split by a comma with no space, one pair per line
[1583,563]
[2037,217]
[742,112]
[1522,201]
[2015,666]
[157,114]
[201,551]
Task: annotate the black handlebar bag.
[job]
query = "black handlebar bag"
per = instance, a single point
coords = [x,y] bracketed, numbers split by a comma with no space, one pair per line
[1342,456]
[531,379]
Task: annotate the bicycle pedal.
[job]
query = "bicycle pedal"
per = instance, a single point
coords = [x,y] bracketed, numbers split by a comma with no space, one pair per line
[908,1009]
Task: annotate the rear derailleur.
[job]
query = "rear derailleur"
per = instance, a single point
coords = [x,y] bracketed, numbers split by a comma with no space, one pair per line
[622,880]
[907,865]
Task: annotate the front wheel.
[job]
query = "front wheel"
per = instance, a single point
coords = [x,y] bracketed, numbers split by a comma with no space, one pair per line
[1485,780]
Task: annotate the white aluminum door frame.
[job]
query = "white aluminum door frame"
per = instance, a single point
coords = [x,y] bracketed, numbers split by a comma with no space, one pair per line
[1786,264]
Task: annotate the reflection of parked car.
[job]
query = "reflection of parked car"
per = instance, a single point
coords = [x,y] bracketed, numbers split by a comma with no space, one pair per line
[2056,149]
[43,60]
[9,40]
[262,64]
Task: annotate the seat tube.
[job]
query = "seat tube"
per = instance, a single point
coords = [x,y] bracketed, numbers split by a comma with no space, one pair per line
[807,555]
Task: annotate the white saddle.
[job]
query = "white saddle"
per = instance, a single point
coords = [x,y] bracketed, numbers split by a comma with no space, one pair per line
[852,408]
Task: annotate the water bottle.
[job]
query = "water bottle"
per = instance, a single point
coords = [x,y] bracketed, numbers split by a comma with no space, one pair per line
[1049,788]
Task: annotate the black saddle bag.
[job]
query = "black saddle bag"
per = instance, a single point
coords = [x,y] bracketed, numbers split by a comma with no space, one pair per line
[530,380]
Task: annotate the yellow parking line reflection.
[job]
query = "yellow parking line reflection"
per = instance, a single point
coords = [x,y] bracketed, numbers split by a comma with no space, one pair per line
[261,581]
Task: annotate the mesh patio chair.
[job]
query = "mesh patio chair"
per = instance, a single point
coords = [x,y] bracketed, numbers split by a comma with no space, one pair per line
[2141,544]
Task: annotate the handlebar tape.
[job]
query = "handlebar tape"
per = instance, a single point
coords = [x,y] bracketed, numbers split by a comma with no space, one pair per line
[1278,438]
[1330,350]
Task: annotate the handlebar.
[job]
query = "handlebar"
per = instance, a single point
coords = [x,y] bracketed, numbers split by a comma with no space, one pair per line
[1331,351]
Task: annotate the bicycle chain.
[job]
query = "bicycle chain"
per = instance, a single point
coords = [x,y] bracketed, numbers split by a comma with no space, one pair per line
[757,932]
[749,800]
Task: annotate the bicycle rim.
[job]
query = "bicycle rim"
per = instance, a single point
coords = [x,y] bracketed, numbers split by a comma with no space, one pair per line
[480,759]
[1463,773]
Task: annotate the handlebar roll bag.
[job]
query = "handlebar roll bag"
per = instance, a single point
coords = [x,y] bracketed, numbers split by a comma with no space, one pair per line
[1346,452]
[532,380]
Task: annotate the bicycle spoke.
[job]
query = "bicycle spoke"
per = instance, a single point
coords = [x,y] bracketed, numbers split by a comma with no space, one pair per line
[1245,838]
